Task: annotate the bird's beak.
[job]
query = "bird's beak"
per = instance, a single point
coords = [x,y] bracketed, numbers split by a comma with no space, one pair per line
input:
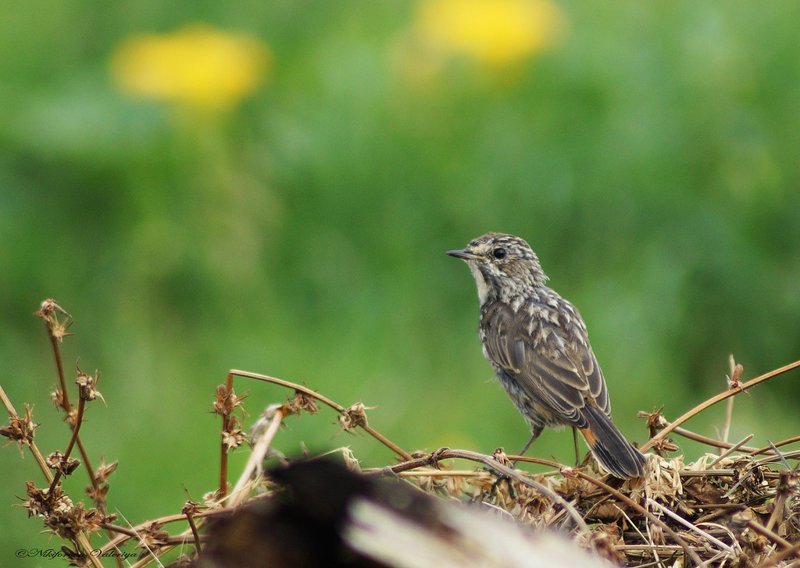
[463,254]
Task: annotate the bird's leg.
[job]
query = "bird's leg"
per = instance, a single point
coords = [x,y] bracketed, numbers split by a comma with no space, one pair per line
[575,443]
[535,431]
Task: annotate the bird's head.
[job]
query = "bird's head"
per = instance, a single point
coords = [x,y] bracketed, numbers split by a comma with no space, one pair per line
[503,265]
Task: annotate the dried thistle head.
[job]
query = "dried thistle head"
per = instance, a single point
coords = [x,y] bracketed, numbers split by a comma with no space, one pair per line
[99,491]
[354,416]
[225,402]
[87,386]
[499,455]
[20,429]
[190,508]
[232,436]
[58,399]
[55,318]
[604,540]
[300,402]
[151,537]
[104,470]
[61,516]
[735,378]
[61,463]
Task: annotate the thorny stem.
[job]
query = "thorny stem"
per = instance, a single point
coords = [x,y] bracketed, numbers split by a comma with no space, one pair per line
[714,400]
[334,405]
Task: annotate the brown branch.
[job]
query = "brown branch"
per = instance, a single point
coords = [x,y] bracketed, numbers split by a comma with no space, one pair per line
[334,405]
[714,400]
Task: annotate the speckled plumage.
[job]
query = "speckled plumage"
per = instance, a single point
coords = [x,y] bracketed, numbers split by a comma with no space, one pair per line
[539,348]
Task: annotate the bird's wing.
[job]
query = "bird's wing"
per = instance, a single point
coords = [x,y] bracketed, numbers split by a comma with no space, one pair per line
[553,363]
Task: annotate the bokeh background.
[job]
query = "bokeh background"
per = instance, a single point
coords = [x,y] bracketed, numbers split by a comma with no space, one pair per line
[272,186]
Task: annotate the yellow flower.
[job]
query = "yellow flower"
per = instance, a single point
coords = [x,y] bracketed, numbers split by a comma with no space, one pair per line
[494,32]
[196,66]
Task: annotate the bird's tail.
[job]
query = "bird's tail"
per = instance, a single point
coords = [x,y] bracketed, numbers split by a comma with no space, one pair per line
[610,447]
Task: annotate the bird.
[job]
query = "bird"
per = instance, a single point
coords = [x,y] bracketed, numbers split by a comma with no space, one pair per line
[538,346]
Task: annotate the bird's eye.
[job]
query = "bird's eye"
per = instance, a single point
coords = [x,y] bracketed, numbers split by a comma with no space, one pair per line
[499,253]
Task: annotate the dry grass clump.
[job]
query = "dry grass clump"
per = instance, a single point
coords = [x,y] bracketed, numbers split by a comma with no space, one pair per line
[735,505]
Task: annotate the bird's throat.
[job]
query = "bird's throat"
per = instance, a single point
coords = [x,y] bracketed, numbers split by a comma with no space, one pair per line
[480,282]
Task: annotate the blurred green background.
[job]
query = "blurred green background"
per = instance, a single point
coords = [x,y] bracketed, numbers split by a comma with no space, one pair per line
[271,186]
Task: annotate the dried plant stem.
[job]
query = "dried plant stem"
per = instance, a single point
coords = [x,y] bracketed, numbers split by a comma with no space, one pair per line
[769,448]
[67,407]
[34,449]
[126,534]
[75,430]
[715,399]
[680,520]
[492,463]
[766,532]
[794,550]
[726,429]
[223,449]
[729,451]
[688,434]
[54,342]
[652,518]
[733,380]
[489,461]
[195,534]
[334,405]
[514,474]
[625,499]
[239,494]
[82,541]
